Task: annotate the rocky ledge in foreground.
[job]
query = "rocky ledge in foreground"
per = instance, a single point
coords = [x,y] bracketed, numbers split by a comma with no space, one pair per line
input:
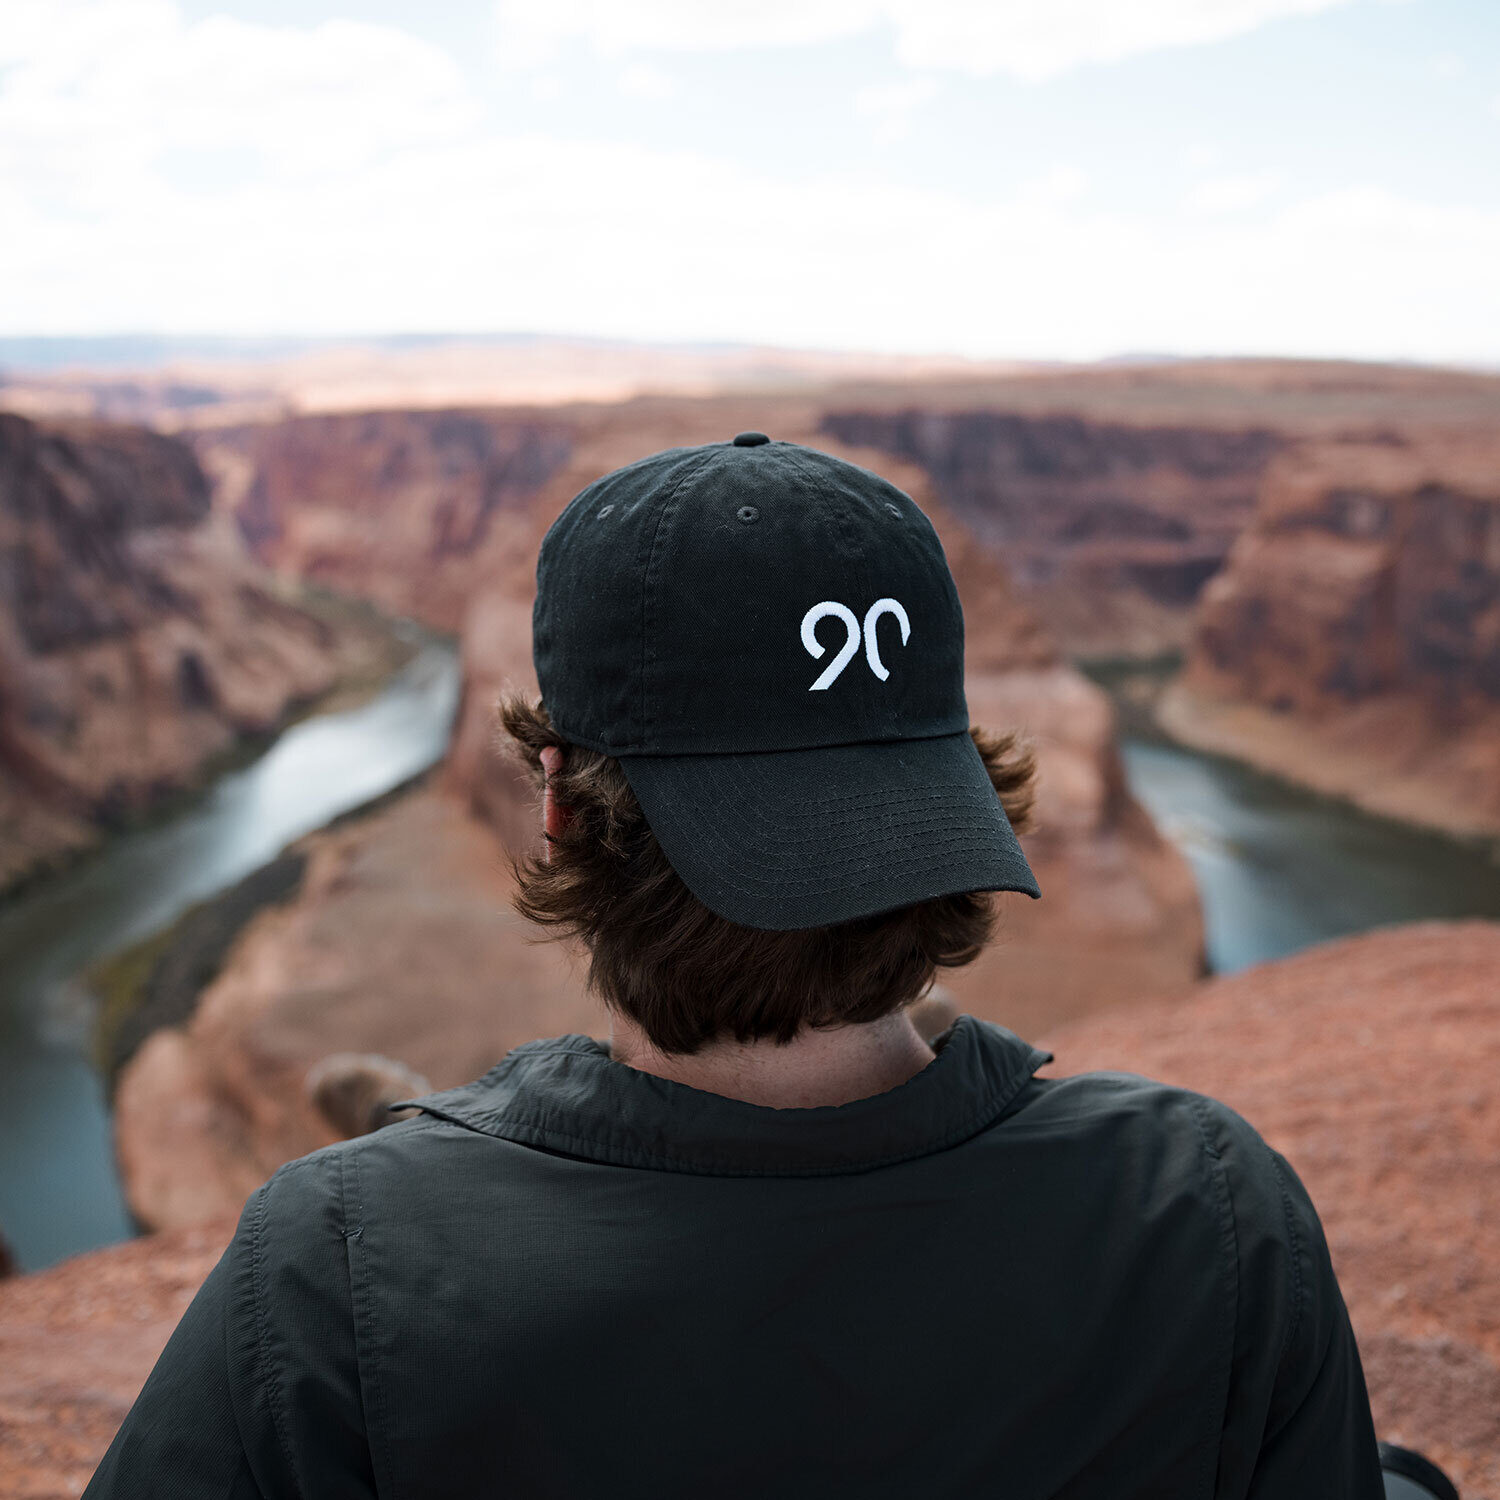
[137,641]
[1373,1064]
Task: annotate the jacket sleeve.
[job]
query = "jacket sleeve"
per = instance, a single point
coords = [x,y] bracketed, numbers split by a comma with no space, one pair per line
[256,1395]
[1297,1422]
[180,1439]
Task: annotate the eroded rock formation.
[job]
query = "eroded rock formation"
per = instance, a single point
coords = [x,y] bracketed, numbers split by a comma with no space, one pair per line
[1352,643]
[410,509]
[1373,1064]
[1111,493]
[1110,529]
[136,640]
[398,941]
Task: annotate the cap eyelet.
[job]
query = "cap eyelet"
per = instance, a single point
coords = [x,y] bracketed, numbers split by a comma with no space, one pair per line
[747,514]
[894,510]
[604,510]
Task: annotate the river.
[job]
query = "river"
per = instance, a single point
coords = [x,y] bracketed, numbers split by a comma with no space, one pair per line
[59,1191]
[1277,869]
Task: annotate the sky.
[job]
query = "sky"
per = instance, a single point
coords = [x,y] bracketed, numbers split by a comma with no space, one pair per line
[1068,179]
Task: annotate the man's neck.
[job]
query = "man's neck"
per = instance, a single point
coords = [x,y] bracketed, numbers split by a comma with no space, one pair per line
[816,1067]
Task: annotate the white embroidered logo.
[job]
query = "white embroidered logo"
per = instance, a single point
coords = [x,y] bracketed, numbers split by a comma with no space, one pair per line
[815,648]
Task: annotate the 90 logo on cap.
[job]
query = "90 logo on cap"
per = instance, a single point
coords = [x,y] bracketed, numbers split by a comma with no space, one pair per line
[815,648]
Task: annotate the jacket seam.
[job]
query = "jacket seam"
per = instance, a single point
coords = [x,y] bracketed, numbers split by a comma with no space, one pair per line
[814,485]
[363,1308]
[268,1373]
[1218,1407]
[1294,1323]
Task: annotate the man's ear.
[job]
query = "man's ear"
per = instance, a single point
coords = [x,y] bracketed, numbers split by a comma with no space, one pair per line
[554,814]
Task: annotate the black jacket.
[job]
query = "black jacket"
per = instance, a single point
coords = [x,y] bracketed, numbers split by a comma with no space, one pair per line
[575,1279]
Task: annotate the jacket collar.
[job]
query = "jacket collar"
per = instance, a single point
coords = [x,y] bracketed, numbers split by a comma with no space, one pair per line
[567,1094]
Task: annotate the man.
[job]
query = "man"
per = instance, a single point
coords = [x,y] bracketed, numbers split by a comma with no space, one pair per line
[768,1241]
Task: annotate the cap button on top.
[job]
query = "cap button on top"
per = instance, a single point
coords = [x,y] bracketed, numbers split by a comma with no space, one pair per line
[750,439]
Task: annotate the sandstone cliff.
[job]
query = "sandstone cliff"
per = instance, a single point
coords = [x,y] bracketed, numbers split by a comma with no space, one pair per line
[136,641]
[1110,529]
[1353,641]
[410,509]
[1114,492]
[1373,1064]
[1111,493]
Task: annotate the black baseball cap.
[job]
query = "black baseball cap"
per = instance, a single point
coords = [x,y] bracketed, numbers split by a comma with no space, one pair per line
[769,640]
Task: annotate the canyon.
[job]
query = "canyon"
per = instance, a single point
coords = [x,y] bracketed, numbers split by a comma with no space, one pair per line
[1352,642]
[1111,495]
[1111,530]
[397,940]
[438,514]
[138,644]
[1114,494]
[1387,1106]
[1321,541]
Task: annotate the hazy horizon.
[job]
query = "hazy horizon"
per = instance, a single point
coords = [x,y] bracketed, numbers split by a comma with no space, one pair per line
[146,351]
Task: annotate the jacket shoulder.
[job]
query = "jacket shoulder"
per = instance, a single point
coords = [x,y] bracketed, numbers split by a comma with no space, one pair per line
[320,1192]
[1126,1116]
[1144,1106]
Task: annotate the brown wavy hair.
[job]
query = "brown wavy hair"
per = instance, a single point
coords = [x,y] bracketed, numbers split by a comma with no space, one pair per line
[686,975]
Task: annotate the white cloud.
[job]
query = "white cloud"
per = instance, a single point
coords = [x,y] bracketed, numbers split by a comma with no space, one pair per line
[889,107]
[533,29]
[1031,39]
[646,81]
[1062,184]
[1233,194]
[97,93]
[367,194]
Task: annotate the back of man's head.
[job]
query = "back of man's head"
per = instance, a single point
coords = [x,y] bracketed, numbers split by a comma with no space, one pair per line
[771,810]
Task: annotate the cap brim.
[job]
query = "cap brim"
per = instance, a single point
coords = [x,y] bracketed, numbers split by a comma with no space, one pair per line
[788,839]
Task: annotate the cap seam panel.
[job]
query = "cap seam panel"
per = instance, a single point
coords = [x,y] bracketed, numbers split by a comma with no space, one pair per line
[834,869]
[920,821]
[885,797]
[814,482]
[809,749]
[648,586]
[973,799]
[832,880]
